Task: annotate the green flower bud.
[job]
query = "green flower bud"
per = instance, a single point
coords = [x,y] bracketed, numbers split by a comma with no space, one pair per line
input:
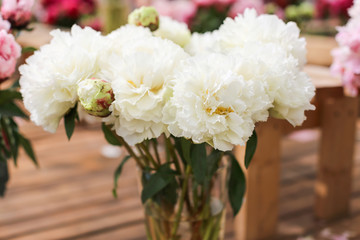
[292,13]
[306,10]
[95,96]
[146,17]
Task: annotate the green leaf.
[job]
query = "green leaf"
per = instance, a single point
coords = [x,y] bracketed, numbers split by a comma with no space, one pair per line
[9,95]
[237,185]
[212,162]
[28,50]
[110,135]
[11,132]
[158,181]
[118,173]
[169,193]
[186,148]
[25,143]
[250,149]
[10,109]
[198,162]
[4,177]
[15,85]
[69,120]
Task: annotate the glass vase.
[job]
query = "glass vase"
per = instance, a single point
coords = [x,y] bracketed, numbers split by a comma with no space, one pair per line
[188,211]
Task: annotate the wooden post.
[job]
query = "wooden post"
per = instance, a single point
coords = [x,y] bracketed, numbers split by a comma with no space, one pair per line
[259,215]
[333,184]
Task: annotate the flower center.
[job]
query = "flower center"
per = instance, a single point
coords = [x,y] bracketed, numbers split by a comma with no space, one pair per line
[220,111]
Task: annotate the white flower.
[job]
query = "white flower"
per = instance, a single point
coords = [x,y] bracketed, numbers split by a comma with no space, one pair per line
[354,11]
[249,28]
[49,79]
[173,30]
[289,89]
[201,43]
[139,80]
[213,102]
[128,33]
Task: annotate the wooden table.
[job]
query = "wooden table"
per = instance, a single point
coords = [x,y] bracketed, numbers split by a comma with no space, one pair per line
[336,116]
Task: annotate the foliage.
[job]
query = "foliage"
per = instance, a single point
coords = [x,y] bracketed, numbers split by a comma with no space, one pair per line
[10,137]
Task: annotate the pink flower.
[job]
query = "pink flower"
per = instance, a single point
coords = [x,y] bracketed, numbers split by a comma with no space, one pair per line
[63,12]
[207,3]
[240,6]
[17,12]
[180,10]
[347,64]
[332,8]
[204,3]
[9,52]
[349,35]
[4,25]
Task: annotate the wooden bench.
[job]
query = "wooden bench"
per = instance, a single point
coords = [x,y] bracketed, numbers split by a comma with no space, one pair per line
[336,116]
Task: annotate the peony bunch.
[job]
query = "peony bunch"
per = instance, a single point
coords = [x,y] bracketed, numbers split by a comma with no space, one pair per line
[17,12]
[213,90]
[347,56]
[64,12]
[275,50]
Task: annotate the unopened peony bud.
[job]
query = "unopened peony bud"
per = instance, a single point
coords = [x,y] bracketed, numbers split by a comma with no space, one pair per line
[146,17]
[96,96]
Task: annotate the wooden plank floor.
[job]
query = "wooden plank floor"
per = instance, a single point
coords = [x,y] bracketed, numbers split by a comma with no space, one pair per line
[69,197]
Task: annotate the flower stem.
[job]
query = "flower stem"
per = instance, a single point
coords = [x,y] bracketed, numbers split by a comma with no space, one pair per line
[181,204]
[170,147]
[147,163]
[146,150]
[130,151]
[155,145]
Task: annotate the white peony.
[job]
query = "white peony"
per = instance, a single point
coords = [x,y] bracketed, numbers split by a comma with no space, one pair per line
[49,77]
[173,30]
[354,11]
[128,33]
[249,28]
[139,80]
[213,102]
[289,89]
[201,42]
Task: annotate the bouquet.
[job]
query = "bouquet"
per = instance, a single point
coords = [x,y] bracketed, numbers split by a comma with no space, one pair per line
[177,102]
[14,17]
[347,56]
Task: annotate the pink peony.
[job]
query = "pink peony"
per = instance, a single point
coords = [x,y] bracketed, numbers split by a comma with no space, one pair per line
[10,51]
[240,6]
[332,8]
[63,12]
[349,35]
[17,12]
[207,3]
[180,10]
[4,25]
[347,64]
